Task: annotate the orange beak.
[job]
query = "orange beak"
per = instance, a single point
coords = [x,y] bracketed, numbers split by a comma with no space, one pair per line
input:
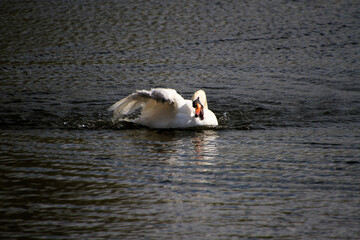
[199,110]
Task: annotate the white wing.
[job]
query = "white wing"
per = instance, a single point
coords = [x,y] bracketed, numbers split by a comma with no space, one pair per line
[156,102]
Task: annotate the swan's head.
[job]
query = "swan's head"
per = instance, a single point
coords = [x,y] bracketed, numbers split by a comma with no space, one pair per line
[199,103]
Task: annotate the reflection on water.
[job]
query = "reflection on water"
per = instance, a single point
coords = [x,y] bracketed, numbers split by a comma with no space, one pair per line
[141,182]
[205,145]
[173,147]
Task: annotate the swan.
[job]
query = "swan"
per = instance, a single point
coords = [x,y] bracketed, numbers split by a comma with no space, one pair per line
[165,108]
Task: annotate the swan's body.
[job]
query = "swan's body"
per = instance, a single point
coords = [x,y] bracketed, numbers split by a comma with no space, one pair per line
[165,108]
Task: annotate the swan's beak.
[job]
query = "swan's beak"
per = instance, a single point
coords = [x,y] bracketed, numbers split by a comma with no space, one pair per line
[199,109]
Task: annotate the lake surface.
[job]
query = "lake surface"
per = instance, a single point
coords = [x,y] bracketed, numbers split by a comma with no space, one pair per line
[281,76]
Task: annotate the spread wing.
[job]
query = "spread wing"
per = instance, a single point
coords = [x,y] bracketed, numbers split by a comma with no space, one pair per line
[158,101]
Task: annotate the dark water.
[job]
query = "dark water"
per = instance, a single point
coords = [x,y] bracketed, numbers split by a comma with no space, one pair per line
[281,76]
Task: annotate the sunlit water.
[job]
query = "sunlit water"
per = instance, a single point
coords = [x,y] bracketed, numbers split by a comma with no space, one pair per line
[282,78]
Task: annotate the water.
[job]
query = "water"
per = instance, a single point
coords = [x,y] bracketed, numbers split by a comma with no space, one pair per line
[282,77]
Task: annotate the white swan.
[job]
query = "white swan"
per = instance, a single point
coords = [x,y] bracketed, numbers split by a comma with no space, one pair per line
[165,108]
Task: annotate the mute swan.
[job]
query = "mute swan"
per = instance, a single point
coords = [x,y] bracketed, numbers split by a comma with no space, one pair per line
[165,108]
